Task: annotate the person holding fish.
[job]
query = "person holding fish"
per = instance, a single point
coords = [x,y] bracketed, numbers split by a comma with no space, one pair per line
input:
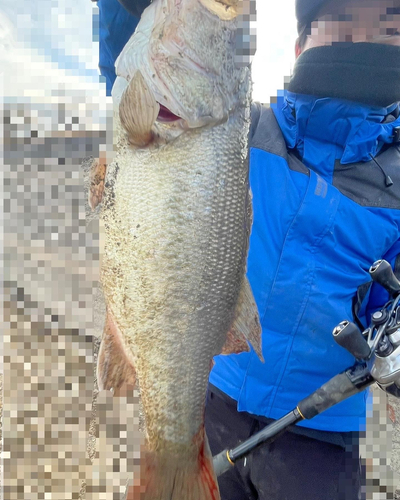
[325,181]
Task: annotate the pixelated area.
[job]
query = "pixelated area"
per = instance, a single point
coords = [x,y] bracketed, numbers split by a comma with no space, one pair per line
[377,447]
[246,40]
[338,23]
[54,120]
[59,442]
[393,409]
[50,269]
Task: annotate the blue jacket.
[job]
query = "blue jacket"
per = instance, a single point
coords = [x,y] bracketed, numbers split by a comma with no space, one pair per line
[116,26]
[322,215]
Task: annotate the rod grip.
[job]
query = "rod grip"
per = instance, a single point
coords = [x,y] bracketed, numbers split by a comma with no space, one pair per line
[335,390]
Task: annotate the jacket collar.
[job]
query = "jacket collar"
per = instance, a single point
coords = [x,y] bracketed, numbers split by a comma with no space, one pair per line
[324,130]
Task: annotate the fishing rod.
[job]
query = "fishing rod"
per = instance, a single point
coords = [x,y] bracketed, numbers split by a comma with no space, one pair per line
[377,353]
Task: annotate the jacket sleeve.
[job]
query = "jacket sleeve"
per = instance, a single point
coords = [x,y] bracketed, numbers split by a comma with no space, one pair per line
[378,296]
[135,7]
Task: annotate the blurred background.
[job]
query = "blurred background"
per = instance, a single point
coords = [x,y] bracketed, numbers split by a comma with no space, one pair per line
[54,43]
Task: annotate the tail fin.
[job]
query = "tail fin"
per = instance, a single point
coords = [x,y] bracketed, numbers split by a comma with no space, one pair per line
[171,477]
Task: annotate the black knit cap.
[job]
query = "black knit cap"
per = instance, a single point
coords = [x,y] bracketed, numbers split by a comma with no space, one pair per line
[306,10]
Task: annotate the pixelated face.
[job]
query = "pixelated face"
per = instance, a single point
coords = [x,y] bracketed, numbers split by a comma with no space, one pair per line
[376,21]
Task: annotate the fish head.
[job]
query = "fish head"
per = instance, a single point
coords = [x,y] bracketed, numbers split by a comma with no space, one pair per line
[184,66]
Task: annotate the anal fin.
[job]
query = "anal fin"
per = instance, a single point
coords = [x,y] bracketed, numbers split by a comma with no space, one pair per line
[114,369]
[246,325]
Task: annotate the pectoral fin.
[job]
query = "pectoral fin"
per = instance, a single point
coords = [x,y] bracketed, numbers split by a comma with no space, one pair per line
[114,368]
[246,325]
[138,111]
[97,178]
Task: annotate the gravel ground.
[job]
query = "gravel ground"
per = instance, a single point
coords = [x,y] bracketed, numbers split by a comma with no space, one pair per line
[394,414]
[379,450]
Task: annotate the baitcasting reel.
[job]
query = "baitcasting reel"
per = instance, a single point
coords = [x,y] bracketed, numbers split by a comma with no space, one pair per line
[379,344]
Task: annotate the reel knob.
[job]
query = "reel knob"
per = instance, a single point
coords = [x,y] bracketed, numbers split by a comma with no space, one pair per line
[381,272]
[347,335]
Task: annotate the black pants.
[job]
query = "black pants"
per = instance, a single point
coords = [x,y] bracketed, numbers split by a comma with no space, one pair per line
[294,467]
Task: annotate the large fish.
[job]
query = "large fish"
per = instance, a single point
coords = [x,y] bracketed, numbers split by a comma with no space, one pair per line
[177,218]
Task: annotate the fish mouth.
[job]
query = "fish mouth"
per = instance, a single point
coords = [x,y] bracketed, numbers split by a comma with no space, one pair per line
[166,116]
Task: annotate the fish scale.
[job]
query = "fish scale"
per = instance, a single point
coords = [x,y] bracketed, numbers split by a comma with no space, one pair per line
[186,271]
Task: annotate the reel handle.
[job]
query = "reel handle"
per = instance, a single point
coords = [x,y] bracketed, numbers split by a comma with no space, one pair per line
[347,335]
[381,272]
